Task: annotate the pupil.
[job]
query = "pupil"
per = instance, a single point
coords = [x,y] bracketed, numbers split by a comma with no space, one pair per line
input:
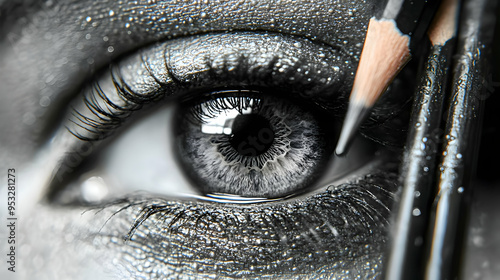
[251,135]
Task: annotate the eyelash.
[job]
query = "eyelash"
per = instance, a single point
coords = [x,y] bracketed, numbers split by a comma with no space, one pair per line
[110,116]
[214,106]
[371,196]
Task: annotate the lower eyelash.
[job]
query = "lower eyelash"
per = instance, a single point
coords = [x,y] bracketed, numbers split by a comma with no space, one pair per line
[368,201]
[335,225]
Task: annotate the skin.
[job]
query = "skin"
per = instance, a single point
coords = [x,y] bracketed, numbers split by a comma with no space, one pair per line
[50,52]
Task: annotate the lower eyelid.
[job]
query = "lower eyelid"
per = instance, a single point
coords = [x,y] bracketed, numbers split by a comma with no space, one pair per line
[342,225]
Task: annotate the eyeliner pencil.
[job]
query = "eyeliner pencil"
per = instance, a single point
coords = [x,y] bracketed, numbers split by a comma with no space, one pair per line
[451,208]
[406,254]
[385,52]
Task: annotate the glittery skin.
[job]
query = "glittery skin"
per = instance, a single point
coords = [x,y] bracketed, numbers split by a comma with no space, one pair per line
[340,232]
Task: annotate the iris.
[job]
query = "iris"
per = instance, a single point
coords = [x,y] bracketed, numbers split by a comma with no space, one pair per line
[252,144]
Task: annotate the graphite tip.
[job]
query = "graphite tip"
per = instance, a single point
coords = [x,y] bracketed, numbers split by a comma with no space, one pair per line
[356,113]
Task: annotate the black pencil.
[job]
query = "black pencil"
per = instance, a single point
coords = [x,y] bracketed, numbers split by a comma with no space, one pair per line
[406,255]
[385,52]
[451,207]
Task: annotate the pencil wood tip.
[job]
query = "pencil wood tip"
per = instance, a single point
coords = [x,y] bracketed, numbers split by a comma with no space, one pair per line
[444,25]
[385,52]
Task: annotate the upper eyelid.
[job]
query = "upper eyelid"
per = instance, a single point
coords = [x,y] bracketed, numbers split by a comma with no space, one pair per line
[134,82]
[176,52]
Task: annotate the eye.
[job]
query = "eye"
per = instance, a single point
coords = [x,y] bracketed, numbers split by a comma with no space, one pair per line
[167,134]
[283,106]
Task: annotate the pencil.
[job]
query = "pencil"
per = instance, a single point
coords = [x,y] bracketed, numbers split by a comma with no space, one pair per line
[385,52]
[448,247]
[406,253]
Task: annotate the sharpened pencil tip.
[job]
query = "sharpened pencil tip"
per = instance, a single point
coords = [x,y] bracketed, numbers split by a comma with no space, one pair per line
[356,113]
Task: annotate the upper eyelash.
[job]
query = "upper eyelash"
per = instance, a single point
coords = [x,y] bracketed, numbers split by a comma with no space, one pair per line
[214,106]
[110,116]
[100,116]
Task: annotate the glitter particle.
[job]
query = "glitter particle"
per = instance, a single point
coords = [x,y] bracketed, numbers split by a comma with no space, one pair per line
[416,212]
